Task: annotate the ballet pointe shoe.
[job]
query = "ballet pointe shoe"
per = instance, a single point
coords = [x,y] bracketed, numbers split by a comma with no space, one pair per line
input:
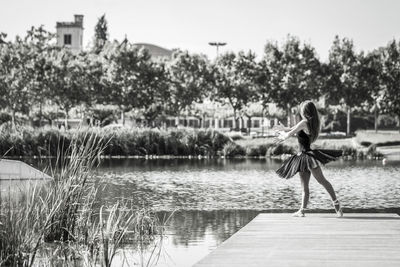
[338,208]
[299,213]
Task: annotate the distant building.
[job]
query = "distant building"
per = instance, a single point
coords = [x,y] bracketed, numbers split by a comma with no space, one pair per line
[70,34]
[156,52]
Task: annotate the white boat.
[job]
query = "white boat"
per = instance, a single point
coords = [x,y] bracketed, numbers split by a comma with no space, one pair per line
[18,170]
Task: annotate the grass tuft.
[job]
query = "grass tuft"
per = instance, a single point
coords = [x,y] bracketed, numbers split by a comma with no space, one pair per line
[59,222]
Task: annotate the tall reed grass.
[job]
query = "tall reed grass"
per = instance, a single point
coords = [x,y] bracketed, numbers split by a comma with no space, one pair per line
[63,215]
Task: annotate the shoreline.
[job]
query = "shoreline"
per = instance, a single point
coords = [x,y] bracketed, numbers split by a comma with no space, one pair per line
[195,157]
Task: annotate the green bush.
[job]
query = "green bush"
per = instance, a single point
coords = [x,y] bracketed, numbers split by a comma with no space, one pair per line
[26,141]
[4,117]
[281,149]
[373,153]
[387,121]
[349,152]
[233,150]
[253,151]
[258,151]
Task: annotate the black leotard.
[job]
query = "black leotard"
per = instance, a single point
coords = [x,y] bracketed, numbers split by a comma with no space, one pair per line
[307,158]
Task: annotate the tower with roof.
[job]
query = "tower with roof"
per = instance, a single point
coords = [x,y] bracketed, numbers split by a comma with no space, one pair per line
[70,34]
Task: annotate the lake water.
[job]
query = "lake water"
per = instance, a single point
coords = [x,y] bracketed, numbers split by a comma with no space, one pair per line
[250,184]
[214,198]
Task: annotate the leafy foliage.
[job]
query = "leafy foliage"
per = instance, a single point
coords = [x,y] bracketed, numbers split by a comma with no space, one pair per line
[391,78]
[190,80]
[36,74]
[294,72]
[235,81]
[100,34]
[26,141]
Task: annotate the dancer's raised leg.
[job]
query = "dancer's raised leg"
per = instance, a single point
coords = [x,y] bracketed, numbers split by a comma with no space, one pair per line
[319,176]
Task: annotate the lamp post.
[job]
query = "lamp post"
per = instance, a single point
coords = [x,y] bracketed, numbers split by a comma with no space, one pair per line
[217,44]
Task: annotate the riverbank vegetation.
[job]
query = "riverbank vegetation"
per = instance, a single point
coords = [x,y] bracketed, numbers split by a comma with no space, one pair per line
[62,224]
[45,142]
[153,142]
[260,147]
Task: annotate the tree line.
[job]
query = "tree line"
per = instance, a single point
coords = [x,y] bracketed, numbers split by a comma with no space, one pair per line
[35,73]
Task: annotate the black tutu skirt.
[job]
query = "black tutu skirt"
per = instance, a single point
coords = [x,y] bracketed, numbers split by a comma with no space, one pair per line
[307,160]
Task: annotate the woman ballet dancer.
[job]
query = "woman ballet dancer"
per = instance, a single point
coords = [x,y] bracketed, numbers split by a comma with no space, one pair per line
[308,161]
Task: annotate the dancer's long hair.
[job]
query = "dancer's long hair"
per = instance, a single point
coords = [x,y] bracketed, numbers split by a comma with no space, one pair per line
[310,113]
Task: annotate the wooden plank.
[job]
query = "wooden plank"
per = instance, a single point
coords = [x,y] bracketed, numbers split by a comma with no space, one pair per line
[367,239]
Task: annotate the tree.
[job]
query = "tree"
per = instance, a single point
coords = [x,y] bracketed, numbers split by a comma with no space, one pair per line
[38,43]
[190,80]
[128,77]
[97,86]
[371,81]
[104,115]
[3,71]
[251,110]
[344,82]
[391,78]
[155,91]
[100,34]
[263,81]
[2,38]
[68,81]
[235,81]
[14,76]
[293,73]
[25,68]
[264,89]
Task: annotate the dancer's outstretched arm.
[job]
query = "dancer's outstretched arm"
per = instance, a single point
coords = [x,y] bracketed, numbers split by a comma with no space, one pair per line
[281,127]
[283,135]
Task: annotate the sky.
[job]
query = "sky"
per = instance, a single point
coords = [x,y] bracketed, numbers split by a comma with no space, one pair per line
[192,24]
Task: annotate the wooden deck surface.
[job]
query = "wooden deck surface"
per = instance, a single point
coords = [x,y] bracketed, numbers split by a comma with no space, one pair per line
[321,240]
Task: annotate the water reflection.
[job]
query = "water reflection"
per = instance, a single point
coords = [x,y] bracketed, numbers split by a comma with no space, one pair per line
[188,227]
[184,164]
[190,236]
[14,189]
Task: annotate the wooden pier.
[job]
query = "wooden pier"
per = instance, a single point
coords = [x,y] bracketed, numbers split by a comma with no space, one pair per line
[271,239]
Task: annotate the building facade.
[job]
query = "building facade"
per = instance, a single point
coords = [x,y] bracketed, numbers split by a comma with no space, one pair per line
[70,34]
